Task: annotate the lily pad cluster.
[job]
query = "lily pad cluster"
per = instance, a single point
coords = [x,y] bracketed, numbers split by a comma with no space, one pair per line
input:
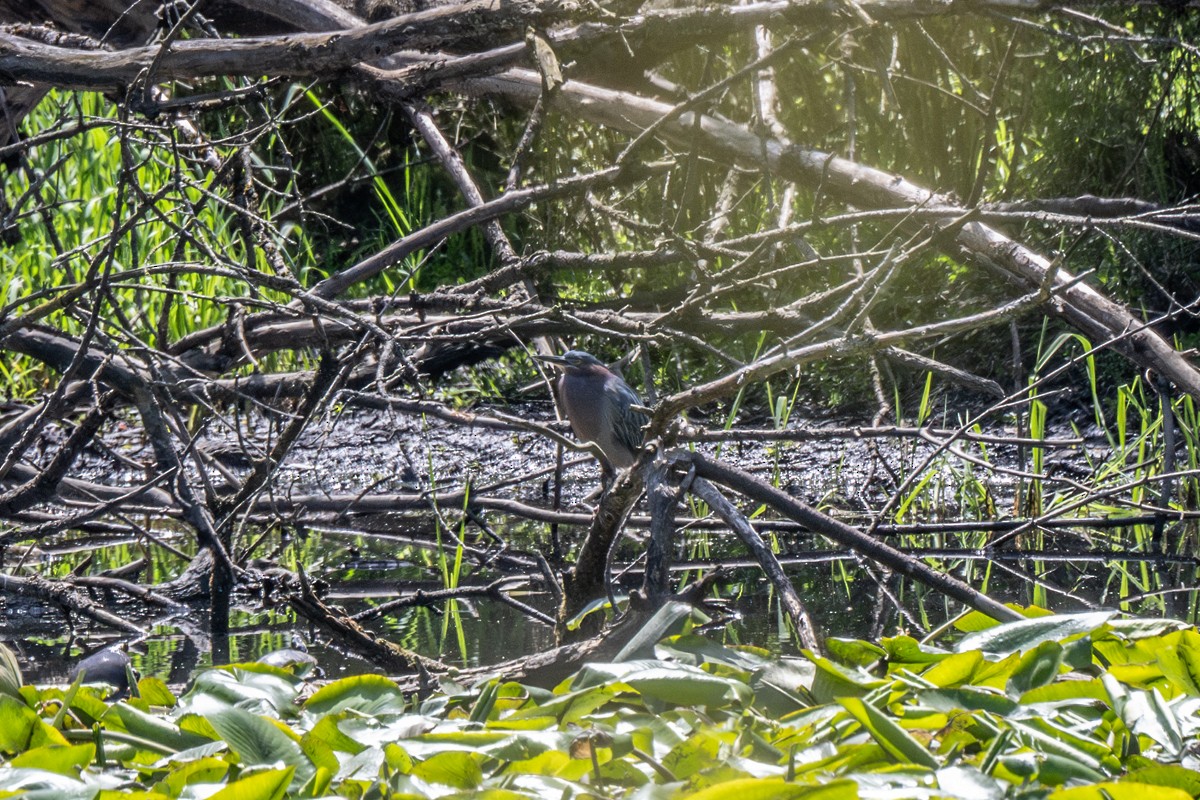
[1060,706]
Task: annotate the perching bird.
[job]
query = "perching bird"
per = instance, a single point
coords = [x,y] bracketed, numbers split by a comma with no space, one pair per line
[600,406]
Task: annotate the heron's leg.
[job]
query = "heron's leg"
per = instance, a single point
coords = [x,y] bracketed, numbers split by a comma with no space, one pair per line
[607,476]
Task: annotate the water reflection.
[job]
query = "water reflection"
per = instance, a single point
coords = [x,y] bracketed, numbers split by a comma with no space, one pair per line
[363,570]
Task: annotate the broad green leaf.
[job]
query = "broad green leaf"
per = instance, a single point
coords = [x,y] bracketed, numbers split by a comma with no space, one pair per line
[595,606]
[777,789]
[1053,770]
[1079,654]
[44,733]
[1147,714]
[1062,728]
[327,730]
[716,772]
[969,699]
[37,784]
[512,723]
[671,618]
[854,652]
[470,739]
[682,685]
[17,724]
[379,731]
[318,785]
[1138,628]
[1013,637]
[252,687]
[367,694]
[187,756]
[1036,668]
[1056,770]
[63,759]
[574,705]
[155,692]
[1167,775]
[87,705]
[955,670]
[1143,676]
[455,768]
[694,650]
[260,741]
[319,753]
[194,723]
[1056,741]
[1065,690]
[571,707]
[907,650]
[623,773]
[676,683]
[974,621]
[1120,791]
[267,785]
[201,770]
[1180,662]
[552,762]
[832,681]
[995,674]
[151,727]
[890,736]
[397,758]
[10,673]
[1116,650]
[695,753]
[968,784]
[521,746]
[363,766]
[782,687]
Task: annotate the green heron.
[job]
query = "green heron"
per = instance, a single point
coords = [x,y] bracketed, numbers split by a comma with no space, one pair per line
[600,407]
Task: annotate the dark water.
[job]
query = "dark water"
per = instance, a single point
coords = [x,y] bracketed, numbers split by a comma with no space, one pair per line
[366,560]
[361,571]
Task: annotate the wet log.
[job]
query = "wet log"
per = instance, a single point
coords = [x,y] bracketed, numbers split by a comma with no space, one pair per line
[68,598]
[388,655]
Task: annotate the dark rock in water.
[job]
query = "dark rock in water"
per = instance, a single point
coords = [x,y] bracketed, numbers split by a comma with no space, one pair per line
[106,666]
[298,661]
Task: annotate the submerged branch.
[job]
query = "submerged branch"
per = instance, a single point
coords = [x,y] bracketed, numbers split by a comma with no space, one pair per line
[737,521]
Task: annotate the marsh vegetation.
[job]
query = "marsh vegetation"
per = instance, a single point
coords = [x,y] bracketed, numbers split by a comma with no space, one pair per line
[908,291]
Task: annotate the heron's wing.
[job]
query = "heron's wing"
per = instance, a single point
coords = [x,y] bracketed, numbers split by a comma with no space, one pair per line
[629,421]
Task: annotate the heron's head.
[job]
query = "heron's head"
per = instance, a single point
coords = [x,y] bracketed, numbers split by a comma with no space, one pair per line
[575,361]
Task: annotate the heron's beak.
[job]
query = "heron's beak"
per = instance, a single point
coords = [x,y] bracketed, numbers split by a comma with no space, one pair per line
[557,361]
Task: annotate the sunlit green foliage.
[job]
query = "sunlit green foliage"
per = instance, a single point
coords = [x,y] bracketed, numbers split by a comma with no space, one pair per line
[982,107]
[1073,706]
